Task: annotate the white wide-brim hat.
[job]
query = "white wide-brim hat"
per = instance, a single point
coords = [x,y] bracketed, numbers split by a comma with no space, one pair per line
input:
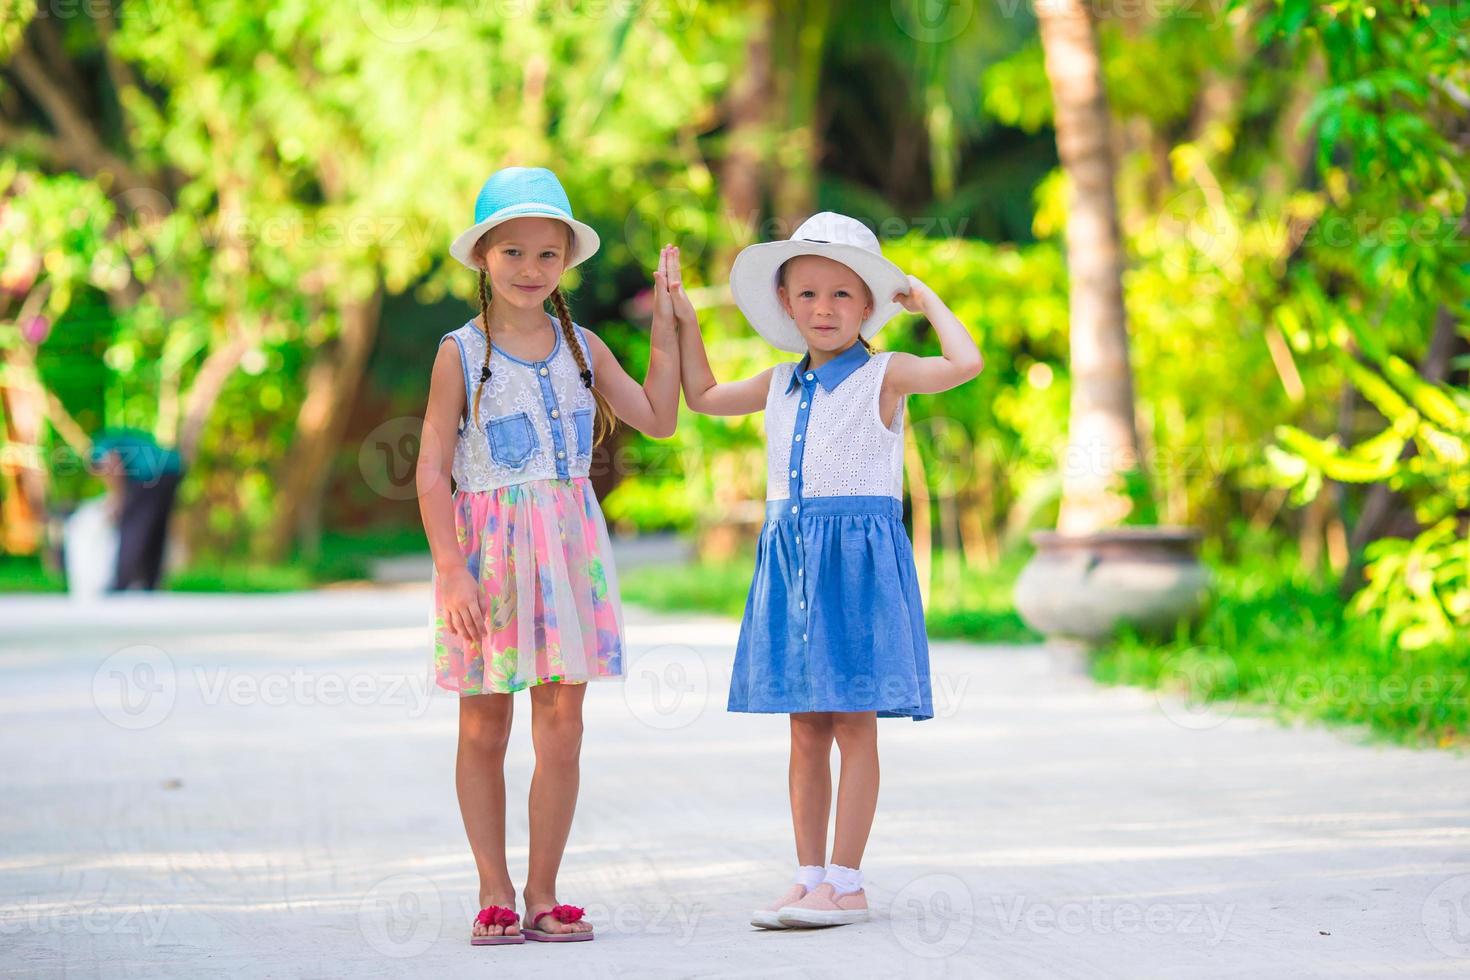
[523,192]
[828,234]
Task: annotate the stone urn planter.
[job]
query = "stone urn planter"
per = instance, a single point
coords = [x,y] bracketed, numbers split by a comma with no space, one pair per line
[1079,587]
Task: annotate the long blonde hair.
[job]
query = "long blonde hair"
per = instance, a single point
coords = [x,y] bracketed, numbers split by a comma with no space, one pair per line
[605,420]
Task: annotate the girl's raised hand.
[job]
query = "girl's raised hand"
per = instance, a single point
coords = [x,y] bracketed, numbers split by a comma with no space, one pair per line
[913,300]
[683,308]
[663,309]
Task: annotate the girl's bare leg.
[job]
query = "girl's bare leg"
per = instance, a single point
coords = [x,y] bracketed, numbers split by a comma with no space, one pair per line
[556,733]
[479,778]
[810,781]
[857,788]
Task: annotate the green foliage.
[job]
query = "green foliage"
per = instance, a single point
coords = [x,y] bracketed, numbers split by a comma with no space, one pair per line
[316,157]
[1139,491]
[1395,185]
[1289,194]
[1273,641]
[53,242]
[1420,587]
[1001,430]
[649,503]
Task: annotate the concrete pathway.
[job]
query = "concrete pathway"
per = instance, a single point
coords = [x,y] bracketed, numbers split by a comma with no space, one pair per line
[262,786]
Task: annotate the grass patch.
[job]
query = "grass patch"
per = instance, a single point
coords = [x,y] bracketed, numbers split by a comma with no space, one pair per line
[240,577]
[711,587]
[25,573]
[979,605]
[1273,640]
[342,557]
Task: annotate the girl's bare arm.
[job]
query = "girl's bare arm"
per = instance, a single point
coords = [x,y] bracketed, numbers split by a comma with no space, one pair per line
[701,392]
[959,359]
[432,479]
[652,407]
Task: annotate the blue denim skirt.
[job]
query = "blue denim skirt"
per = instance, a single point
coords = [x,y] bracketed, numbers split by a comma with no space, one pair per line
[833,621]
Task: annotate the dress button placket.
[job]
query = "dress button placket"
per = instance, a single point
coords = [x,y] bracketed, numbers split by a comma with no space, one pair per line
[803,415]
[548,397]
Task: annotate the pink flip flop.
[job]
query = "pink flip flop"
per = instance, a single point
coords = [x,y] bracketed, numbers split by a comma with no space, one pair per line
[496,915]
[561,913]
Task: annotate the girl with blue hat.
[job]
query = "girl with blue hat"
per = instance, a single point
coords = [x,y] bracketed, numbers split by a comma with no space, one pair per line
[525,590]
[833,630]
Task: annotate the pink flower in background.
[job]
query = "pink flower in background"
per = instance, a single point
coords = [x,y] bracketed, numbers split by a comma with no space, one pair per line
[36,329]
[640,306]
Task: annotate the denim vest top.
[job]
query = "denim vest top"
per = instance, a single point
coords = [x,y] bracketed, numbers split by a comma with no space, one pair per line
[535,420]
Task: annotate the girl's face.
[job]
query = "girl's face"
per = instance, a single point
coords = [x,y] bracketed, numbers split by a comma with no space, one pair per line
[525,258]
[828,301]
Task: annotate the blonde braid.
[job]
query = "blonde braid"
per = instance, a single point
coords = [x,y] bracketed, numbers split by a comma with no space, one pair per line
[484,368]
[605,421]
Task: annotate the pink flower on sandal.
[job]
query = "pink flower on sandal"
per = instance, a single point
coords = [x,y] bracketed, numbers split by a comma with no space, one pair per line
[567,913]
[496,915]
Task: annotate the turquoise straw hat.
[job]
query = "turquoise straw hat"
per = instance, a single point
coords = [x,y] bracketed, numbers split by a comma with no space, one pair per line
[519,192]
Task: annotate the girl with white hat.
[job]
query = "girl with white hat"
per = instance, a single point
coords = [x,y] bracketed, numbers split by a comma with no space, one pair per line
[525,591]
[833,629]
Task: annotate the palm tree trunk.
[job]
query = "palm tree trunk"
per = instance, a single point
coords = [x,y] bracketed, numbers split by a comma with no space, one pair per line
[743,171]
[1102,433]
[802,30]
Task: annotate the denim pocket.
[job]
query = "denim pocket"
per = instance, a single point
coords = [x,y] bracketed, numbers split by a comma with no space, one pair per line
[582,422]
[512,439]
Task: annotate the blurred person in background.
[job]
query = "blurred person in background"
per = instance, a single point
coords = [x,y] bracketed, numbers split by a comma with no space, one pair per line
[142,481]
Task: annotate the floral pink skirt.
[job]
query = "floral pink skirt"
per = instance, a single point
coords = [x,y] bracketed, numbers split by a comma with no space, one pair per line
[541,554]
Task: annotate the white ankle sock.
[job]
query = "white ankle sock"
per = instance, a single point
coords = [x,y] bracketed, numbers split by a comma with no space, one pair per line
[810,875]
[844,880]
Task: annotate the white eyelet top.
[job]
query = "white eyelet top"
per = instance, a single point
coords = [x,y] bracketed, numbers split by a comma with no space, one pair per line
[823,443]
[535,419]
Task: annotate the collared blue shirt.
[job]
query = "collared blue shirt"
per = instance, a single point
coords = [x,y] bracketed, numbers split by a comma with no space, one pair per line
[834,371]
